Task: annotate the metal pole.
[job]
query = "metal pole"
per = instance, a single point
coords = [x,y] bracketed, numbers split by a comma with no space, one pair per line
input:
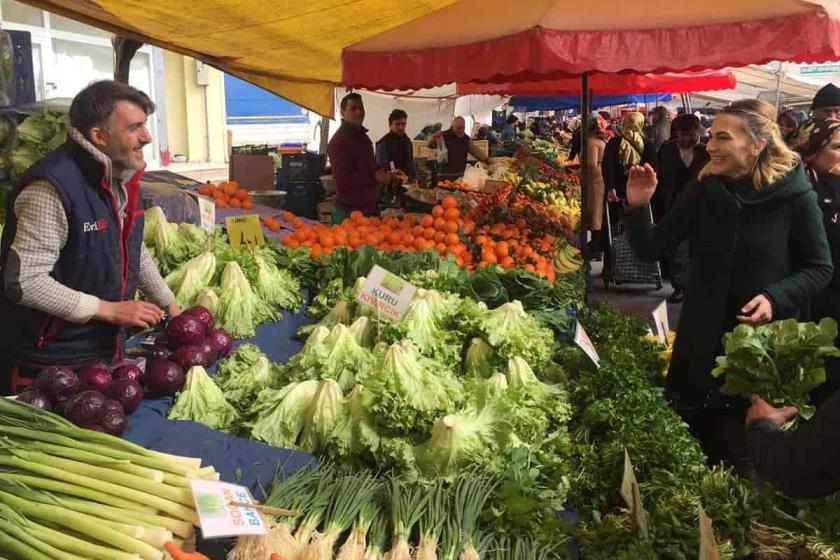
[584,166]
[779,74]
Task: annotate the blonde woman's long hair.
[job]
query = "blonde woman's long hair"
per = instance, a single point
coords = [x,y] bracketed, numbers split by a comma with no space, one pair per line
[776,159]
[632,141]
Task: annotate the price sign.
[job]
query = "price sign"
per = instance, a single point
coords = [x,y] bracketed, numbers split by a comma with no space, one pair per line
[660,319]
[708,544]
[245,231]
[631,496]
[207,214]
[386,293]
[218,517]
[583,341]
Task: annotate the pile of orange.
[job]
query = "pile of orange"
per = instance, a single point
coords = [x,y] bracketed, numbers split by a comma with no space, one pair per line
[227,193]
[445,230]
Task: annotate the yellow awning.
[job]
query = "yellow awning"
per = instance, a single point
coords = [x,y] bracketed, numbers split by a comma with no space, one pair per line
[292,48]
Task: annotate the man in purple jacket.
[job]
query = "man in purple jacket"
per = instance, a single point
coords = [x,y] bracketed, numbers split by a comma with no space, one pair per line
[357,177]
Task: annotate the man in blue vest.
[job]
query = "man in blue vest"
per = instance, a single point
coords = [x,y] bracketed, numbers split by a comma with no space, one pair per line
[72,253]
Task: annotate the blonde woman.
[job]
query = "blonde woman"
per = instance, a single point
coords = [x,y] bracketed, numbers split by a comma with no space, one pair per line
[759,252]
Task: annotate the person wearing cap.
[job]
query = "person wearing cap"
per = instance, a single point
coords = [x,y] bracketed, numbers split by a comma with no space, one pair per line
[395,147]
[818,143]
[826,104]
[789,122]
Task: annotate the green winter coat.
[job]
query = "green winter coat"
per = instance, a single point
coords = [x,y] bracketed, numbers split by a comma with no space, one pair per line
[769,241]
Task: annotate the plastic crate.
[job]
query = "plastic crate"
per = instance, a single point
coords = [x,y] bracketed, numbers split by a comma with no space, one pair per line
[303,167]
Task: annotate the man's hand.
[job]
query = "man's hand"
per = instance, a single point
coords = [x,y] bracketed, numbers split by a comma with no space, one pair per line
[612,196]
[140,314]
[762,409]
[383,176]
[172,310]
[400,175]
[757,311]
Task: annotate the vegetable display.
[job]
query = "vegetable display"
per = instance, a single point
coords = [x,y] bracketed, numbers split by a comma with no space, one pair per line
[66,492]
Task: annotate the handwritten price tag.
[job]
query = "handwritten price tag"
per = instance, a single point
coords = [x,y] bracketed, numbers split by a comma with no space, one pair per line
[245,231]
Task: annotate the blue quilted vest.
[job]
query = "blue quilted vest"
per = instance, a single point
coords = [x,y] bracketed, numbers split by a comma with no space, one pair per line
[101,257]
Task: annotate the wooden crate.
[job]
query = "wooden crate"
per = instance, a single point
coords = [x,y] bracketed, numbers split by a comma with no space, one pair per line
[325,212]
[421,149]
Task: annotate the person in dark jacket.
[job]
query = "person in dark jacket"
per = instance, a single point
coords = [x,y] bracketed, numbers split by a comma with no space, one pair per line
[759,253]
[622,152]
[357,177]
[72,253]
[819,145]
[680,161]
[802,463]
[396,147]
[826,104]
[458,146]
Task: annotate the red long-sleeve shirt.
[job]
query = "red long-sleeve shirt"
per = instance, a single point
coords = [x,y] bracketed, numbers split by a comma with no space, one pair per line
[354,168]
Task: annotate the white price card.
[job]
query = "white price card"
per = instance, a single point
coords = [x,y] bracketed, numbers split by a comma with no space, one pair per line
[660,319]
[207,214]
[386,293]
[218,517]
[585,344]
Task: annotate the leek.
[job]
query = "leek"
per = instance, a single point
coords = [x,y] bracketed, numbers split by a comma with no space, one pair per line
[74,490]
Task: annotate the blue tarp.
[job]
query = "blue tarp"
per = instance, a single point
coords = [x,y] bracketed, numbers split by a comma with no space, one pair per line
[525,103]
[247,100]
[239,460]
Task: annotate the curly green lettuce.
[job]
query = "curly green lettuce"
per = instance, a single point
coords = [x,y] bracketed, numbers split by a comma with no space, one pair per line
[201,400]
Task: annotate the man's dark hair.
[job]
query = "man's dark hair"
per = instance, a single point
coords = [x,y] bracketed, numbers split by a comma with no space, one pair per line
[512,119]
[348,98]
[396,115]
[606,115]
[685,123]
[94,104]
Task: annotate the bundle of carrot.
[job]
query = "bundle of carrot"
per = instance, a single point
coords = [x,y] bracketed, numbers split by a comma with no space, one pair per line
[67,492]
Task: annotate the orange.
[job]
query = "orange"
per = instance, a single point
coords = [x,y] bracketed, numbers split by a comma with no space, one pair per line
[419,243]
[408,239]
[287,216]
[506,262]
[429,233]
[298,223]
[451,239]
[241,194]
[450,227]
[449,202]
[355,215]
[316,251]
[394,237]
[374,221]
[248,203]
[451,214]
[439,236]
[441,247]
[235,203]
[440,223]
[220,203]
[293,243]
[427,220]
[529,267]
[438,211]
[231,187]
[418,231]
[480,239]
[205,189]
[502,249]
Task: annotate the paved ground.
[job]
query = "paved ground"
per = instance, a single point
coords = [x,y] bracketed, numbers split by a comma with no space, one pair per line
[632,299]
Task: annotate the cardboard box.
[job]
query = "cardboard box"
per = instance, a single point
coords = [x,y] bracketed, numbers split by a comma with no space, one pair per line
[253,173]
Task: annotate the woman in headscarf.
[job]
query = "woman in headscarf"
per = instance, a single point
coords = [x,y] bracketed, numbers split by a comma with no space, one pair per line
[789,122]
[624,151]
[818,142]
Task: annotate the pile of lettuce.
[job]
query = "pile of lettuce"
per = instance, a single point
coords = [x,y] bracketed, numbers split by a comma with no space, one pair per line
[241,287]
[35,137]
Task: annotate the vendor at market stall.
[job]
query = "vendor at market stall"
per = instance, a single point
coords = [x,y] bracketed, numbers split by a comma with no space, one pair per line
[396,147]
[458,146]
[72,253]
[358,178]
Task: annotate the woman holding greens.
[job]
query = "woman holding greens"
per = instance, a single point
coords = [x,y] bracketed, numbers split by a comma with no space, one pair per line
[759,251]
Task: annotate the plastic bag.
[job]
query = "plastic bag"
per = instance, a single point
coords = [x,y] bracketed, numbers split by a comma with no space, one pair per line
[443,154]
[475,176]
